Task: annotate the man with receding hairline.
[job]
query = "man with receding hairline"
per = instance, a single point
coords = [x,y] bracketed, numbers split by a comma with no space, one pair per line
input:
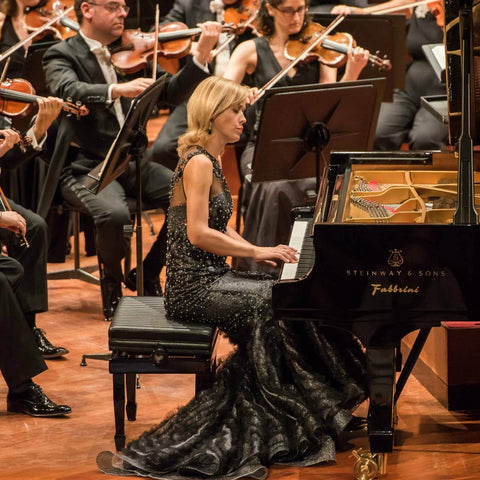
[80,67]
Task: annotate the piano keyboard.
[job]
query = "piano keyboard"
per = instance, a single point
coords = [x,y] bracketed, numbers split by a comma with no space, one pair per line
[301,240]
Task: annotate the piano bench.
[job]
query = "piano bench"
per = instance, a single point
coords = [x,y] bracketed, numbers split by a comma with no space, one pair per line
[144,339]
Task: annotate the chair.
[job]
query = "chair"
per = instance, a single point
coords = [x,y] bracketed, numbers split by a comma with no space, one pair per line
[144,339]
[83,273]
[77,272]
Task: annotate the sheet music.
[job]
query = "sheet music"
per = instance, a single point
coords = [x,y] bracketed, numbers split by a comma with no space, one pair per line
[439,54]
[97,172]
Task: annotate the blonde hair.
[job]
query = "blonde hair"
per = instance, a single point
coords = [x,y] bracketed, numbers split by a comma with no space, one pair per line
[212,96]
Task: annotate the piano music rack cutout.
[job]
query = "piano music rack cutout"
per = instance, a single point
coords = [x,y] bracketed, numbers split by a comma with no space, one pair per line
[403,196]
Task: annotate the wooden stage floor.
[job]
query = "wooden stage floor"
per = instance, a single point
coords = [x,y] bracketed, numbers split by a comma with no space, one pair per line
[432,443]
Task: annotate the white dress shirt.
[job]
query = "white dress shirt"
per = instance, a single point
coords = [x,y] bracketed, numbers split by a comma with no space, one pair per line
[104,60]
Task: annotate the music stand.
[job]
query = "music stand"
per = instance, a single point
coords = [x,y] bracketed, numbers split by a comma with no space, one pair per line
[437,105]
[321,118]
[129,145]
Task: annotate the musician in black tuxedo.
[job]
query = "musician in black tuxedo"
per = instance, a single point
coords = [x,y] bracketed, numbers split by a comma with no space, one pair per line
[80,68]
[191,13]
[20,358]
[32,293]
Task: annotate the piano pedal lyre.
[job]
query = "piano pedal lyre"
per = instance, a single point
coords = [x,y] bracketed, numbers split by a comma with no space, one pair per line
[368,465]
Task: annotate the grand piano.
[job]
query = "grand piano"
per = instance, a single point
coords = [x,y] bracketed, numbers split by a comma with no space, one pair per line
[392,246]
[381,258]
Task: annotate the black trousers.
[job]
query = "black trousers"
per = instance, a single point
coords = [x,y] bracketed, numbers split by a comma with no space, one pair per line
[32,293]
[110,212]
[20,359]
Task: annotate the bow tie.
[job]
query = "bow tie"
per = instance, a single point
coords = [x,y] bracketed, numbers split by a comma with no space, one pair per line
[217,6]
[102,53]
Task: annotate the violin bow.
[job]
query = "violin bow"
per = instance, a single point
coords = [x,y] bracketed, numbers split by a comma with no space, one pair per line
[335,22]
[155,47]
[5,68]
[401,7]
[5,206]
[15,47]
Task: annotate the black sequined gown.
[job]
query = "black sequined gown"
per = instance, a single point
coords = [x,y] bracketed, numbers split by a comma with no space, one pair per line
[282,397]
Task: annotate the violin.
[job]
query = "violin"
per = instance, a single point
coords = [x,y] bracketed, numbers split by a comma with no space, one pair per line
[242,14]
[37,16]
[5,207]
[319,37]
[332,50]
[137,48]
[34,34]
[24,141]
[17,97]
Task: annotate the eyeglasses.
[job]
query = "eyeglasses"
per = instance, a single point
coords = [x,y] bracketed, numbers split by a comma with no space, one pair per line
[112,7]
[290,12]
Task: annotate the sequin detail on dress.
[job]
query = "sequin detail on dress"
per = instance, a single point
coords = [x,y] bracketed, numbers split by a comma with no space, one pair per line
[283,396]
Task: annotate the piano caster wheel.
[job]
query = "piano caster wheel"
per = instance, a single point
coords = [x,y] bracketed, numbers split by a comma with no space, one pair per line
[367,465]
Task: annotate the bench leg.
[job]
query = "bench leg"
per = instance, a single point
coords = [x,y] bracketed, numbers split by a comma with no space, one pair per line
[131,403]
[119,409]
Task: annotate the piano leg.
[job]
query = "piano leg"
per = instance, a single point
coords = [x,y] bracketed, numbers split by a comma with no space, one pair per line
[381,374]
[411,361]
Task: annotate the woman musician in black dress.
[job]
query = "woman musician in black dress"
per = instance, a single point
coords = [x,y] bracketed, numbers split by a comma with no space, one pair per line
[286,393]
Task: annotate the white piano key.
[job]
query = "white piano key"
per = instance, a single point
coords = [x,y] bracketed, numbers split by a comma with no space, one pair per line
[296,240]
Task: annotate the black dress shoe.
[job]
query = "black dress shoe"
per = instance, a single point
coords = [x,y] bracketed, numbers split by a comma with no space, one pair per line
[151,288]
[111,295]
[47,350]
[35,403]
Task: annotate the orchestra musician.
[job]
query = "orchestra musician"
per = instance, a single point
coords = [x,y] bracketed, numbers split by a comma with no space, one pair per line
[286,392]
[405,120]
[22,292]
[191,13]
[267,206]
[22,183]
[32,295]
[20,359]
[12,31]
[80,68]
[32,292]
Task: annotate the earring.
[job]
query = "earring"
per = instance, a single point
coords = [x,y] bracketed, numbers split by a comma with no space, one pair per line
[210,128]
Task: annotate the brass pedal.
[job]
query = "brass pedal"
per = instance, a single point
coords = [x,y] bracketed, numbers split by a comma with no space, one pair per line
[368,465]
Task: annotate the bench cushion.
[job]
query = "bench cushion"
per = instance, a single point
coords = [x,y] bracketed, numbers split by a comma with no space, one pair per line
[140,324]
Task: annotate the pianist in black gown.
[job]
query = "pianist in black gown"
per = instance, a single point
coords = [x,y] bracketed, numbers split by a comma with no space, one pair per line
[287,392]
